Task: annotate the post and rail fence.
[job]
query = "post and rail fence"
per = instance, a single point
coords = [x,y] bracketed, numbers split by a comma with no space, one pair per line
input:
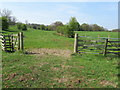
[12,43]
[103,45]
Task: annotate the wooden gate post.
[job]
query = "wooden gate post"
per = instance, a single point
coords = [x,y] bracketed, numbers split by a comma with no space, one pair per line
[22,47]
[18,41]
[76,43]
[105,50]
[12,46]
[20,38]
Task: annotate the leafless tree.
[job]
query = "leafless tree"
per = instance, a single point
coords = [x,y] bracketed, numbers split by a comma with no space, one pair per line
[6,13]
[12,20]
[26,22]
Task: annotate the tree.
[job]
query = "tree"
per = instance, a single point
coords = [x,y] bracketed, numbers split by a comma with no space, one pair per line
[68,30]
[73,24]
[116,30]
[26,22]
[85,27]
[95,27]
[56,24]
[7,13]
[5,24]
[12,20]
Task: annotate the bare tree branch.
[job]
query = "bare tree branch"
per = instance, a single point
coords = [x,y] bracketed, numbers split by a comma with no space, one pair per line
[6,13]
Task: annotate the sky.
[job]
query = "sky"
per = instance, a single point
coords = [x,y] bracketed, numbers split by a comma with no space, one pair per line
[102,13]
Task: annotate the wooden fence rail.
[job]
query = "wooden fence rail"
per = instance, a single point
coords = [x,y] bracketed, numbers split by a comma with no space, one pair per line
[11,43]
[100,46]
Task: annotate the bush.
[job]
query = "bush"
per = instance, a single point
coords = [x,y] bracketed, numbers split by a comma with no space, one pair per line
[42,27]
[34,27]
[66,31]
[19,26]
[24,27]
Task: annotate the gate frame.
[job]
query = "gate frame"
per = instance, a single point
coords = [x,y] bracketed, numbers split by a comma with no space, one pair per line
[20,43]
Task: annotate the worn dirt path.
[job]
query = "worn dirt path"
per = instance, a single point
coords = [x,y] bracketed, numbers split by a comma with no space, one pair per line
[45,51]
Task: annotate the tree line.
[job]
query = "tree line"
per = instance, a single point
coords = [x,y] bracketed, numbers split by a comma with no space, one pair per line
[62,29]
[78,27]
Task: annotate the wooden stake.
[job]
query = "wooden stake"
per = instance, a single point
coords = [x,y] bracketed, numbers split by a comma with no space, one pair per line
[22,47]
[76,43]
[21,41]
[12,46]
[18,41]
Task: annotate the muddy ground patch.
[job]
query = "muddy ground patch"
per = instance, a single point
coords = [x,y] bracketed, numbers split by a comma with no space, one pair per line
[45,51]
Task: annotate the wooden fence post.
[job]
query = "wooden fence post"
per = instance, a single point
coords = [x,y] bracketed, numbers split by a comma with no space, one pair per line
[105,50]
[20,38]
[18,41]
[10,43]
[22,47]
[76,43]
[12,46]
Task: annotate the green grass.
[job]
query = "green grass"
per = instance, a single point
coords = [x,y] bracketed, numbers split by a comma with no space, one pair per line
[22,70]
[80,71]
[47,39]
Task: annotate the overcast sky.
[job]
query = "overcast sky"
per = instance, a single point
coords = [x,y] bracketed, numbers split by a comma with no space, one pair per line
[102,13]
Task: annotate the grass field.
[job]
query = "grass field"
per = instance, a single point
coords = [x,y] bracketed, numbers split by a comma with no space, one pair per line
[95,34]
[49,62]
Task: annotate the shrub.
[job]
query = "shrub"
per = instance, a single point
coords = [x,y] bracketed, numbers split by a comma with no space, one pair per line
[42,27]
[34,27]
[66,31]
[24,27]
[19,26]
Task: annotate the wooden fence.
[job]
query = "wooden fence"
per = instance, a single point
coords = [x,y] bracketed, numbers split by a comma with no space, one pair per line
[112,47]
[99,45]
[11,43]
